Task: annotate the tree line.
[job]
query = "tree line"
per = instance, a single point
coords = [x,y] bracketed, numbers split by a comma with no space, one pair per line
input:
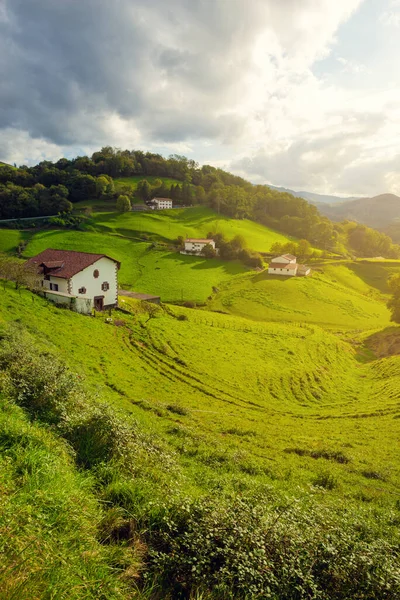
[49,188]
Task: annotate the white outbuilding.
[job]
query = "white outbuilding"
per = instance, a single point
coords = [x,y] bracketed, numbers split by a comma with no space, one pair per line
[161,203]
[196,246]
[287,266]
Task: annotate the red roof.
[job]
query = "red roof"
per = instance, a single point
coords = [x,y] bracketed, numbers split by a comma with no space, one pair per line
[197,241]
[65,263]
[288,256]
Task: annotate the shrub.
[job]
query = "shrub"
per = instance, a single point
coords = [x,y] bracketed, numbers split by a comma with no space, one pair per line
[247,548]
[177,409]
[123,203]
[40,383]
[325,480]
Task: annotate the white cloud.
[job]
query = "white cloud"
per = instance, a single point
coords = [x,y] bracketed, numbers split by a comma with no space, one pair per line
[229,81]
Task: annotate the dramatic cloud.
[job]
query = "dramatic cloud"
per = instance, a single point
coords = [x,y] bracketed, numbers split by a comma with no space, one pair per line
[229,82]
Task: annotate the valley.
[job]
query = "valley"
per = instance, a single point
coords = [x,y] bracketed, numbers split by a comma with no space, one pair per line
[260,387]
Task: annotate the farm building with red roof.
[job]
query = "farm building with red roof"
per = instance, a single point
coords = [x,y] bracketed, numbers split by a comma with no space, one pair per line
[82,280]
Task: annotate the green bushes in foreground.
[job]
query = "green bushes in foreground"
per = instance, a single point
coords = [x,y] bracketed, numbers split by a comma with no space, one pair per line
[92,507]
[251,548]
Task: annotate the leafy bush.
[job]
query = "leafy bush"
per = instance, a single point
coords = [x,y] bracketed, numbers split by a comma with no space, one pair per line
[38,382]
[178,409]
[245,549]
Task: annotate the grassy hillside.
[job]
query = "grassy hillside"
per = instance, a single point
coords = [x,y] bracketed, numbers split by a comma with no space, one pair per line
[48,518]
[287,413]
[161,271]
[243,387]
[334,296]
[134,180]
[188,222]
[11,238]
[156,267]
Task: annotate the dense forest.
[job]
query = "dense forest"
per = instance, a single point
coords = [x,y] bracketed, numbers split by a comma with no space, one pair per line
[50,188]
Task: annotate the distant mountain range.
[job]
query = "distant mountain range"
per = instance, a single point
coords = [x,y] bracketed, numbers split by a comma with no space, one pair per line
[378,212]
[314,198]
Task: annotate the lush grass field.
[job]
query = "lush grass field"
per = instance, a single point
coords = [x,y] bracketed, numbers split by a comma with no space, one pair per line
[10,238]
[224,407]
[154,266]
[134,180]
[188,222]
[336,298]
[159,271]
[260,402]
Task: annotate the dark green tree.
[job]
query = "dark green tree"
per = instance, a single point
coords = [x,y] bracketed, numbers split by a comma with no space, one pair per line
[123,203]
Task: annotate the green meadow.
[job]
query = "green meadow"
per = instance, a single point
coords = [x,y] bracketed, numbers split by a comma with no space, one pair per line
[134,180]
[335,296]
[161,453]
[10,239]
[154,266]
[188,222]
[161,270]
[284,399]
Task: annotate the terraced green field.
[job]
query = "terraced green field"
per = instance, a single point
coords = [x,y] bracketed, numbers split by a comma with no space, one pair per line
[269,402]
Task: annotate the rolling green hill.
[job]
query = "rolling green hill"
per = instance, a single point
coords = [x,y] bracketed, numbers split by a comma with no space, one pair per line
[161,270]
[188,222]
[243,387]
[334,296]
[274,412]
[154,266]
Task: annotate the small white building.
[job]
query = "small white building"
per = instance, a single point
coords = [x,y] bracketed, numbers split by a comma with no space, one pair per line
[285,259]
[79,279]
[287,266]
[196,246]
[161,203]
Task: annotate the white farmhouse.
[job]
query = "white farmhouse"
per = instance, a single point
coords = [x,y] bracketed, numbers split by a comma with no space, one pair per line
[161,203]
[196,246]
[288,266]
[79,279]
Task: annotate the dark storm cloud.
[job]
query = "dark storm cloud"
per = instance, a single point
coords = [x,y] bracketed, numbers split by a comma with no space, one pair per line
[67,65]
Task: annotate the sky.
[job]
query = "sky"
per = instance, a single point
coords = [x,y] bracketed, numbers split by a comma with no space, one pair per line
[303,94]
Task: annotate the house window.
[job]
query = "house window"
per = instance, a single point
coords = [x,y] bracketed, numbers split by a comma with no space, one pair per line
[105,286]
[54,287]
[82,290]
[96,273]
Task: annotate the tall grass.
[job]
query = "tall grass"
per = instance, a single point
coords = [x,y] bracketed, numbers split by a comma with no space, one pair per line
[95,508]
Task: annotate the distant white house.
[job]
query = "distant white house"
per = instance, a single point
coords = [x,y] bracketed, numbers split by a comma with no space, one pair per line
[285,258]
[287,266]
[161,203]
[196,246]
[79,279]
